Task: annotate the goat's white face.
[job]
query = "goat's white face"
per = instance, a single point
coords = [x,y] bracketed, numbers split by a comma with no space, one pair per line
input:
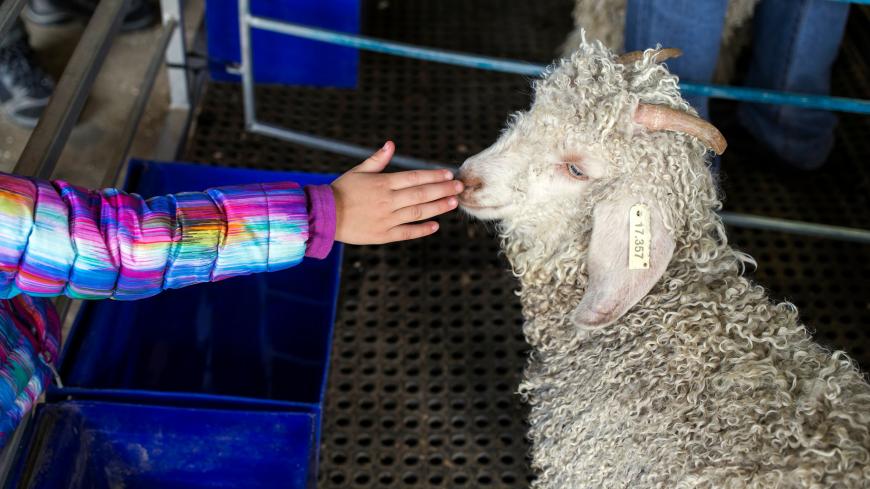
[518,172]
[566,176]
[505,178]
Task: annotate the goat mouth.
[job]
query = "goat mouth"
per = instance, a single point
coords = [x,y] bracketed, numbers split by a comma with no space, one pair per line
[477,207]
[484,212]
[472,204]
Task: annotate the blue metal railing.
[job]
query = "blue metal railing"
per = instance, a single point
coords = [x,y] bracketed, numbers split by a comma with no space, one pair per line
[488,63]
[247,22]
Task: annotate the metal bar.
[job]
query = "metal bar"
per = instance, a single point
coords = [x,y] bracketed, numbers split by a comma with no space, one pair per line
[63,305]
[309,140]
[176,56]
[730,218]
[48,139]
[336,146]
[796,227]
[246,70]
[397,48]
[247,66]
[10,452]
[247,21]
[808,101]
[9,11]
[178,121]
[117,162]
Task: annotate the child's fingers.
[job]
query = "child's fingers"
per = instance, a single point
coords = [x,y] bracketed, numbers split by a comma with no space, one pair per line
[378,161]
[421,212]
[405,179]
[426,193]
[411,231]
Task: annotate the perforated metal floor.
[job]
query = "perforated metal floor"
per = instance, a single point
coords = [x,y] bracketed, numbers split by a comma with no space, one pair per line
[428,347]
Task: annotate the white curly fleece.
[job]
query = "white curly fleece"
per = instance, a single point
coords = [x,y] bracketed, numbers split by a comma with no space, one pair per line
[704,382]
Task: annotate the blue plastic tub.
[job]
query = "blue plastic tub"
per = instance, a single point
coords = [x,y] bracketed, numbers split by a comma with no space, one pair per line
[255,344]
[97,445]
[280,58]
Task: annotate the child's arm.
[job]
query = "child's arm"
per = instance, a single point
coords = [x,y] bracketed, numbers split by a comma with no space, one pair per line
[58,239]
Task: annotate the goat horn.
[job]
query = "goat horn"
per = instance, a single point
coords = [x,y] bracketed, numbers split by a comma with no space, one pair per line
[657,57]
[663,118]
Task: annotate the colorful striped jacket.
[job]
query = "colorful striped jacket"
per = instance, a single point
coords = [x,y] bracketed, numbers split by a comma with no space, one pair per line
[59,239]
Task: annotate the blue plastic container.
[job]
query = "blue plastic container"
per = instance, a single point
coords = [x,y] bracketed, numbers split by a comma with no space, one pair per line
[256,347]
[280,58]
[99,445]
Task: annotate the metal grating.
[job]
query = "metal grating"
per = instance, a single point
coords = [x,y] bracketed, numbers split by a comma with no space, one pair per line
[427,355]
[428,347]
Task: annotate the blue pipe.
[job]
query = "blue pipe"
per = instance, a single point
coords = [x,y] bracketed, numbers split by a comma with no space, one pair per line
[808,101]
[822,102]
[397,48]
[796,227]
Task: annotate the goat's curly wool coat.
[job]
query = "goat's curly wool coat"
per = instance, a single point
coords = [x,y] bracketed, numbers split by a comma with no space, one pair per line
[704,382]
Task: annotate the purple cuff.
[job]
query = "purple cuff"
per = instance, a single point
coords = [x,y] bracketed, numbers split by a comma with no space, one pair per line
[321,220]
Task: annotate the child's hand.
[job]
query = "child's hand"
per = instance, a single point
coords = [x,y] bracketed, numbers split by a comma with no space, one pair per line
[374,208]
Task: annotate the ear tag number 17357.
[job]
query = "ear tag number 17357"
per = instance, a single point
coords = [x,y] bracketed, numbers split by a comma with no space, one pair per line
[639,237]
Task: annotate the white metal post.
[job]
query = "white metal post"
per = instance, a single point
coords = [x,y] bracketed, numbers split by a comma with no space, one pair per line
[247,65]
[176,56]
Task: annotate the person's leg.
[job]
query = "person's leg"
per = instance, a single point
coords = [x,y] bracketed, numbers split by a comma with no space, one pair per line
[24,88]
[695,26]
[795,45]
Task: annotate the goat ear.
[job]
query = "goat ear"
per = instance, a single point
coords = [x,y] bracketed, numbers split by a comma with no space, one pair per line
[613,286]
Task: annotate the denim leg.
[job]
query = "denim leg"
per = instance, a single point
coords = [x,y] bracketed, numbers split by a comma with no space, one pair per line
[695,26]
[15,34]
[794,46]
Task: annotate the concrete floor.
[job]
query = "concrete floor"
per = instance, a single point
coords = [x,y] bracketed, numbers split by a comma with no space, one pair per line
[95,138]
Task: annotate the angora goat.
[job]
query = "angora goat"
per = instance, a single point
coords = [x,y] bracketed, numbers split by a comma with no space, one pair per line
[670,370]
[605,20]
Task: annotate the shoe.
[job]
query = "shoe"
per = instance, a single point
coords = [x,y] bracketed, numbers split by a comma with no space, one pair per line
[47,12]
[743,146]
[24,88]
[141,14]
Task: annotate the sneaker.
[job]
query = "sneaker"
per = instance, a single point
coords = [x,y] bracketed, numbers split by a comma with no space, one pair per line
[24,88]
[140,13]
[47,12]
[747,149]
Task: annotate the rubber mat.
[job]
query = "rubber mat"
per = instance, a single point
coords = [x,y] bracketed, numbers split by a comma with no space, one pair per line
[428,346]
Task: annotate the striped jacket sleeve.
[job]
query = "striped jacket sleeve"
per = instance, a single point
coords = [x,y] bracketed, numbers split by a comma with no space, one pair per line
[59,239]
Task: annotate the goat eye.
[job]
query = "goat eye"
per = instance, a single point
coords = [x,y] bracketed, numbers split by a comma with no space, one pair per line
[575,171]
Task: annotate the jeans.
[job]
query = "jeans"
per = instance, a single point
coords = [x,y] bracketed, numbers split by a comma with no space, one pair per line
[795,43]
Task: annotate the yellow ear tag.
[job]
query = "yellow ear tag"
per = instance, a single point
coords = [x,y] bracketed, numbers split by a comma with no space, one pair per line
[639,237]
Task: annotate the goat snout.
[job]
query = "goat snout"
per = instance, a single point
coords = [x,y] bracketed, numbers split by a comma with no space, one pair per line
[473,184]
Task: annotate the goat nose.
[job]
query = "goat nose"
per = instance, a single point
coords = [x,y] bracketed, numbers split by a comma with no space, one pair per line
[472,183]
